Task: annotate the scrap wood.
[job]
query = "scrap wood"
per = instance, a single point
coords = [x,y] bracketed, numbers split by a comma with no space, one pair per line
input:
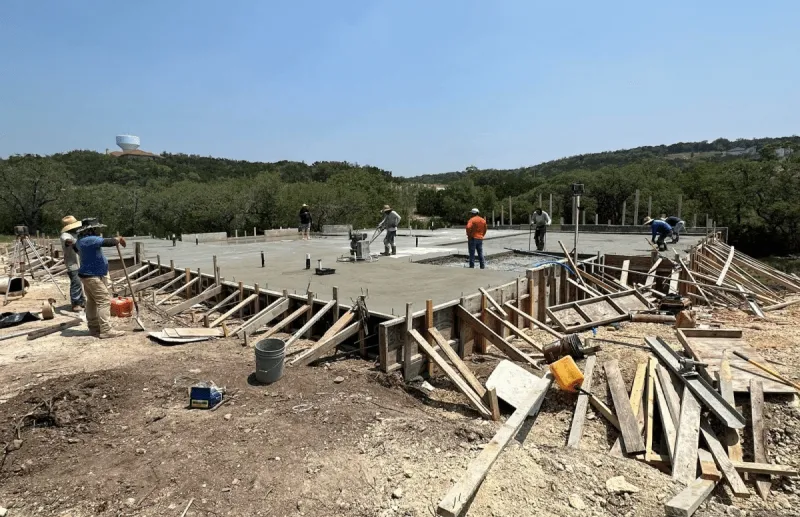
[668,421]
[651,374]
[635,398]
[456,361]
[504,346]
[588,290]
[51,329]
[721,457]
[579,416]
[463,492]
[708,469]
[324,346]
[745,467]
[311,322]
[763,483]
[191,302]
[285,322]
[732,438]
[690,498]
[631,436]
[684,464]
[511,382]
[460,383]
[515,330]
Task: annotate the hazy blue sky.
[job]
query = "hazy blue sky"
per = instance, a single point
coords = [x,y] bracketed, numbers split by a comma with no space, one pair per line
[408,85]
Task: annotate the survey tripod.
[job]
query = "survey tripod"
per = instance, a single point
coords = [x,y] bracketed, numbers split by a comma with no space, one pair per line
[20,258]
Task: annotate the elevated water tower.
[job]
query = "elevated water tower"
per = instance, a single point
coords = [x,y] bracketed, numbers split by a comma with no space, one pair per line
[128,142]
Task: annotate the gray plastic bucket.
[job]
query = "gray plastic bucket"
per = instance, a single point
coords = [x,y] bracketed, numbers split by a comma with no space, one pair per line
[270,354]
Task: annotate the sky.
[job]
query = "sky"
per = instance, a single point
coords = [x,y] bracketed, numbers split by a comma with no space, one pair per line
[411,86]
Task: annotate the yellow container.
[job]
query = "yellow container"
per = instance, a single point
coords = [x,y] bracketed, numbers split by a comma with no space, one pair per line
[566,373]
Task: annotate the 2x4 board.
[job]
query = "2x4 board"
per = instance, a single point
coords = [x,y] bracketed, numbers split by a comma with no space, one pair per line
[600,310]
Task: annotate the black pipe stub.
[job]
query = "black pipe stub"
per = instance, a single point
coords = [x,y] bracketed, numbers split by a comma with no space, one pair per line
[570,344]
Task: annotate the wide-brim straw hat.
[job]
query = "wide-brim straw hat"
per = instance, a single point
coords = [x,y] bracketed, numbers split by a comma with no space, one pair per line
[648,220]
[70,223]
[386,208]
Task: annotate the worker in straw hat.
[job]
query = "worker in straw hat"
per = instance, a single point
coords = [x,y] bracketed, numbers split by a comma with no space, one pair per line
[661,230]
[94,275]
[305,222]
[389,223]
[476,231]
[67,238]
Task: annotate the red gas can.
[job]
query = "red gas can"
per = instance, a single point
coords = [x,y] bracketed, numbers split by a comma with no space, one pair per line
[122,307]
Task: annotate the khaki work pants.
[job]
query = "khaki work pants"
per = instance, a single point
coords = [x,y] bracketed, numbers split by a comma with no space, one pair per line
[98,304]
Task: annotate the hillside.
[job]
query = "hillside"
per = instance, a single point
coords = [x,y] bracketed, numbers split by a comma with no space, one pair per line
[679,153]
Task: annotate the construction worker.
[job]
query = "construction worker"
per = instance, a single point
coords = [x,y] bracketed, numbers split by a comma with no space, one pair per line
[677,225]
[305,222]
[476,231]
[540,220]
[94,275]
[661,230]
[71,225]
[389,223]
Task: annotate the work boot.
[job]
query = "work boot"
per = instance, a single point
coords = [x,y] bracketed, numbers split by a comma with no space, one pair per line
[111,334]
[386,251]
[394,250]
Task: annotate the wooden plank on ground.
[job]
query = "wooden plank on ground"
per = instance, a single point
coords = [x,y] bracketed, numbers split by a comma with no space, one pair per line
[232,310]
[460,383]
[651,378]
[636,397]
[285,322]
[579,416]
[667,421]
[310,323]
[721,457]
[205,295]
[765,468]
[325,346]
[708,469]
[456,361]
[504,346]
[763,483]
[732,439]
[690,498]
[463,492]
[264,317]
[631,436]
[684,464]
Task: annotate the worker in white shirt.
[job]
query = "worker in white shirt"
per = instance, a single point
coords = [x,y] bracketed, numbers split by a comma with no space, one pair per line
[540,221]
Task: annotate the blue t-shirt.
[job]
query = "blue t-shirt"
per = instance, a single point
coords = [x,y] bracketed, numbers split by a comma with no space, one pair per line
[93,262]
[658,227]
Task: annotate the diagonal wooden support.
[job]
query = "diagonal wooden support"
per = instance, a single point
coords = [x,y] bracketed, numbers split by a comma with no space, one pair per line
[725,267]
[219,304]
[338,325]
[572,264]
[200,298]
[285,322]
[534,321]
[230,312]
[325,346]
[179,290]
[268,314]
[460,365]
[479,327]
[139,286]
[460,383]
[178,278]
[493,303]
[310,323]
[516,331]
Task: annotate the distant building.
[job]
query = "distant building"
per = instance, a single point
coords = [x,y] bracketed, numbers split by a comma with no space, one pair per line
[783,152]
[130,148]
[740,151]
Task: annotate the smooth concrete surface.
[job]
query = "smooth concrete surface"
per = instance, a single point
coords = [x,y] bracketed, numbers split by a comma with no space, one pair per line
[389,282]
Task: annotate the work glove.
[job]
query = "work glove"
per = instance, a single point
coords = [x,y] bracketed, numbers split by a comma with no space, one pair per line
[122,242]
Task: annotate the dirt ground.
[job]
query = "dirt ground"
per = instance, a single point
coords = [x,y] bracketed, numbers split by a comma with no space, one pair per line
[97,427]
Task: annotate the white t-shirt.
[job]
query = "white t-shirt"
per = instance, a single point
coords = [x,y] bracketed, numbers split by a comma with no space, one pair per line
[70,255]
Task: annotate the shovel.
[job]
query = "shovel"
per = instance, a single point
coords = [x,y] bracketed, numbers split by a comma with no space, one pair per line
[139,326]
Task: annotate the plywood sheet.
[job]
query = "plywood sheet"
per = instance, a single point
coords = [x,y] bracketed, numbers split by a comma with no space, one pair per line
[709,349]
[630,303]
[569,317]
[599,310]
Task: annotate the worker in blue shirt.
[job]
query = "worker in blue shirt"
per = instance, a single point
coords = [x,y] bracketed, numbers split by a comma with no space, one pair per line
[661,230]
[94,277]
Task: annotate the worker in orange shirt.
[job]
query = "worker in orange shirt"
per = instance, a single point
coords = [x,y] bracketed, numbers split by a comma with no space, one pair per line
[476,231]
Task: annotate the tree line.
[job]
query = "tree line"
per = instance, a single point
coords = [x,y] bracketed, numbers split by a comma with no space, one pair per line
[178,193]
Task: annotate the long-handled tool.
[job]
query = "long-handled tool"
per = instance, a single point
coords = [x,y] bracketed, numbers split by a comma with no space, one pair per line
[768,370]
[139,325]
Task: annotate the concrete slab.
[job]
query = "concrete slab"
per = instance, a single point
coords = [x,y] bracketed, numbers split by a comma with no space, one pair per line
[390,282]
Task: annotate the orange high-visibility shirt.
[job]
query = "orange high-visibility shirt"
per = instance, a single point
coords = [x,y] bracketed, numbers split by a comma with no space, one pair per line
[476,227]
